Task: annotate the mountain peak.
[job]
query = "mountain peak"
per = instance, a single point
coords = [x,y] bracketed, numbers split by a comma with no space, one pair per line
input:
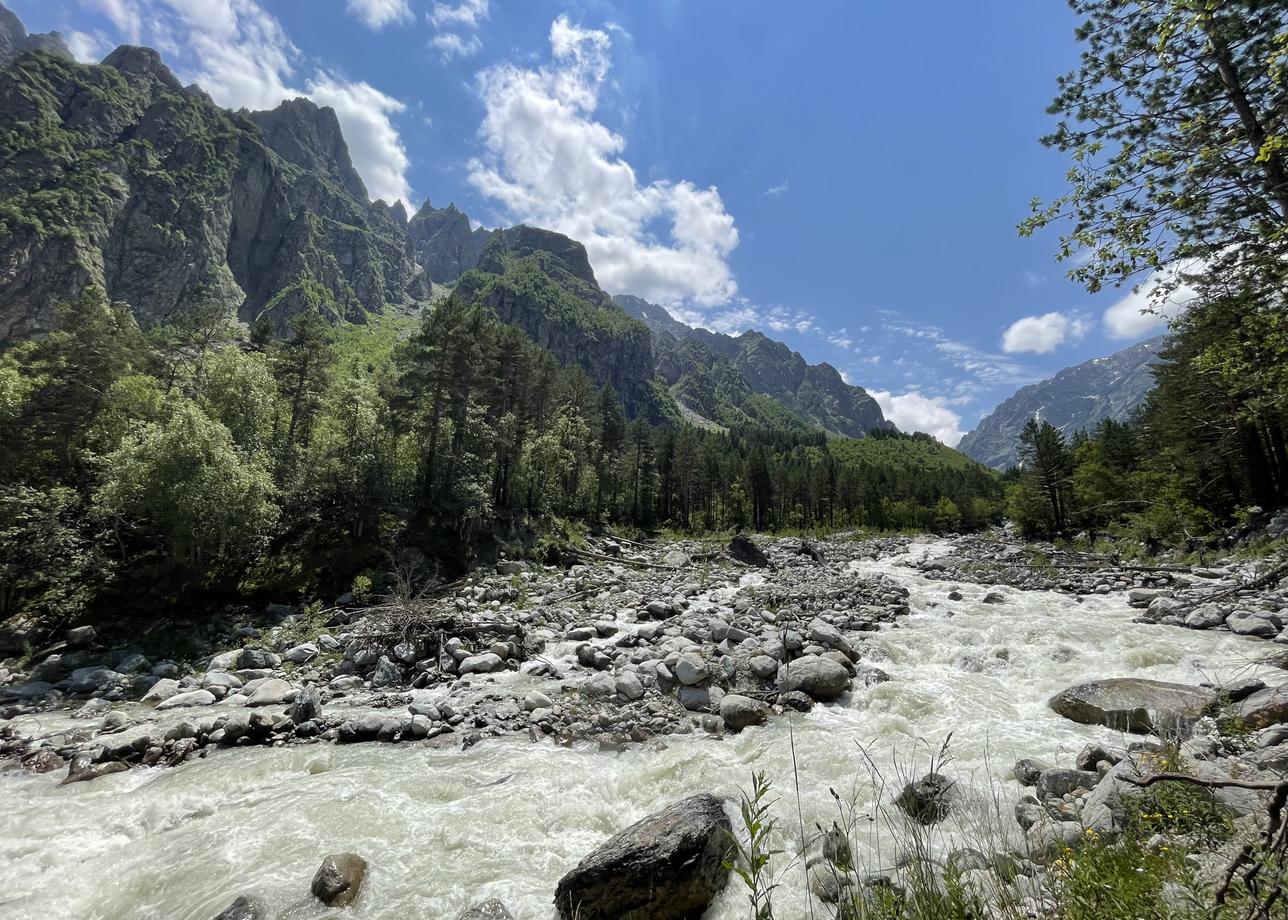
[16,40]
[142,67]
[308,135]
[1074,399]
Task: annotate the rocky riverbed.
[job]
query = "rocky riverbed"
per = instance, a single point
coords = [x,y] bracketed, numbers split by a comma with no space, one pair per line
[570,702]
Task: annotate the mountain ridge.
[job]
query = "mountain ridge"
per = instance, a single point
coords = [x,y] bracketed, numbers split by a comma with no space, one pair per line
[1076,398]
[719,377]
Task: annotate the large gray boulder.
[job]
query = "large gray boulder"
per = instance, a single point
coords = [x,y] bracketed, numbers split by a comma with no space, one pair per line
[741,712]
[272,691]
[161,691]
[743,549]
[486,663]
[1263,625]
[1264,707]
[669,866]
[822,678]
[188,699]
[339,879]
[1133,704]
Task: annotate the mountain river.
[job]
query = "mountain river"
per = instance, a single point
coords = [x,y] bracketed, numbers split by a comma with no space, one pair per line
[444,829]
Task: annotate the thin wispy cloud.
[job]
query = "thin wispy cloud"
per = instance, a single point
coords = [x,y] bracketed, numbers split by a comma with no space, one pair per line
[775,190]
[376,14]
[457,28]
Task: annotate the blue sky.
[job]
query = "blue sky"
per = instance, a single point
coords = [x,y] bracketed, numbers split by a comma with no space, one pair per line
[846,176]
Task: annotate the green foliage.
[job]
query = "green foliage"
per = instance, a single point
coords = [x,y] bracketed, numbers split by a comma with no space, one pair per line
[1175,123]
[48,564]
[752,856]
[182,485]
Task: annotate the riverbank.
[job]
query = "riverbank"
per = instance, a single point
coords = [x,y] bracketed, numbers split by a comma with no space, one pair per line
[505,807]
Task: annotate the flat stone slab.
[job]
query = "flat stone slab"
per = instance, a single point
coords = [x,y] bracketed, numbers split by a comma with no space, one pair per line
[1133,704]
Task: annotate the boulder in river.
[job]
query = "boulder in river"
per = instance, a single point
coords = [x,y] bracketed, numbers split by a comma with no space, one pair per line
[740,712]
[307,706]
[246,907]
[491,909]
[188,699]
[929,799]
[339,879]
[821,678]
[1133,704]
[668,866]
[82,768]
[272,692]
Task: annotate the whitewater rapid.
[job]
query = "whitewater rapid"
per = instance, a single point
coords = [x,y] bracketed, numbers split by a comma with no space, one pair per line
[444,829]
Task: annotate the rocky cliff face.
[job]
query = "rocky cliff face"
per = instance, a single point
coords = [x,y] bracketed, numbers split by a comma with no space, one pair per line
[443,242]
[752,378]
[116,175]
[15,40]
[1078,398]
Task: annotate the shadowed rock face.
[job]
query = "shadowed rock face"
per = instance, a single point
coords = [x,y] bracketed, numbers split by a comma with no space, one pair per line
[1133,704]
[669,866]
[444,244]
[168,202]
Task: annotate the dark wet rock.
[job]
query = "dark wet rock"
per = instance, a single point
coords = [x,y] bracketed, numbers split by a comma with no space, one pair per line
[1027,771]
[929,799]
[307,706]
[491,909]
[246,907]
[1093,754]
[669,866]
[1133,704]
[252,658]
[339,879]
[795,699]
[742,548]
[82,768]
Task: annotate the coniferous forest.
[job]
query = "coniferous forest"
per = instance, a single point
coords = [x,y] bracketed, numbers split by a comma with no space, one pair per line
[197,459]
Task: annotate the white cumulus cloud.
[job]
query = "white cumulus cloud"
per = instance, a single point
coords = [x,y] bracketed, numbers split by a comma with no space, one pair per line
[379,13]
[239,53]
[548,162]
[912,411]
[377,150]
[1043,333]
[1159,298]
